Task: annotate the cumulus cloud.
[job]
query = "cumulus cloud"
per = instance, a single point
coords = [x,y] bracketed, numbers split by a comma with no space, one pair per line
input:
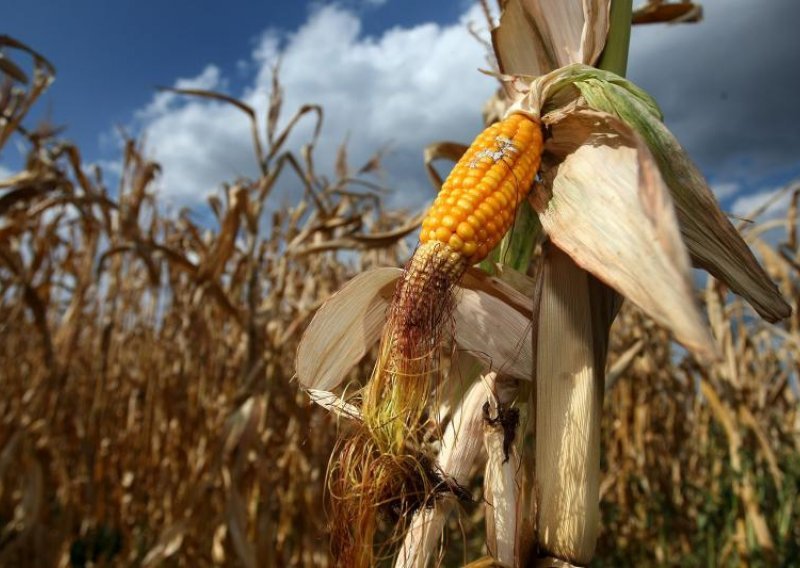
[725,190]
[775,202]
[209,79]
[724,86]
[404,89]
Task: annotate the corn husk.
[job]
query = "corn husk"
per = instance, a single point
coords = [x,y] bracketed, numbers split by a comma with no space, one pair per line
[569,398]
[347,325]
[492,320]
[606,205]
[536,36]
[505,475]
[712,241]
[461,447]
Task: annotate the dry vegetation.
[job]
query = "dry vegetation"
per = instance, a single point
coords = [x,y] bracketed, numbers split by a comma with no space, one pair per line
[148,414]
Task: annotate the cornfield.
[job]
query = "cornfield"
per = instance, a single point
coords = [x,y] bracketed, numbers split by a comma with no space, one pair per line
[149,415]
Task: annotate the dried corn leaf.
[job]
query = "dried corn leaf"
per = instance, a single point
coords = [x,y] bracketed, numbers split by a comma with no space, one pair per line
[344,328]
[713,242]
[8,41]
[451,151]
[536,36]
[214,263]
[12,69]
[611,212]
[243,423]
[236,510]
[657,12]
[168,544]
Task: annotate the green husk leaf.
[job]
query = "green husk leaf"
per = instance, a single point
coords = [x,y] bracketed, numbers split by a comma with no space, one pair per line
[550,93]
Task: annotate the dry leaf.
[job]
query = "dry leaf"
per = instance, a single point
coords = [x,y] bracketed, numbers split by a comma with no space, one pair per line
[344,329]
[537,36]
[611,212]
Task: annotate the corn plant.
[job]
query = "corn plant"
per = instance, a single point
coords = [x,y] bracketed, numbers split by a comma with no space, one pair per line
[622,212]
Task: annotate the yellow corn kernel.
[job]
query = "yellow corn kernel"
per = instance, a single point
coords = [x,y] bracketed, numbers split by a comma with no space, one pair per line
[465,231]
[443,234]
[476,205]
[449,222]
[455,242]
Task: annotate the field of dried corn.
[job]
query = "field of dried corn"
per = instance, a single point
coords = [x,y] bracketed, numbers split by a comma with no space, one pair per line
[148,415]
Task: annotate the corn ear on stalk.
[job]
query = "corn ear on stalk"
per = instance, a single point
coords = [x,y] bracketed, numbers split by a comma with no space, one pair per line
[384,463]
[477,202]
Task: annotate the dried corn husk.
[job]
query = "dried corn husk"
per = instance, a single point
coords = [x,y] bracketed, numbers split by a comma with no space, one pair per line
[712,241]
[537,36]
[569,399]
[606,206]
[490,318]
[461,447]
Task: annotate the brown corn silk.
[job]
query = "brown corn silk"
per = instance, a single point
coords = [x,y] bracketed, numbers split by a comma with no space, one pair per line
[382,466]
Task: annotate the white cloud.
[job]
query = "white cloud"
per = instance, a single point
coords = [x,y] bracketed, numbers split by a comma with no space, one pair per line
[405,88]
[724,190]
[112,170]
[162,103]
[723,85]
[4,172]
[777,198]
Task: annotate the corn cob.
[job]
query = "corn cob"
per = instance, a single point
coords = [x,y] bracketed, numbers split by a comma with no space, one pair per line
[473,211]
[382,463]
[477,202]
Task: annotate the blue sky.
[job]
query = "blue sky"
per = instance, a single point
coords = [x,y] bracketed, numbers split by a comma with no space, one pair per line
[111,55]
[396,73]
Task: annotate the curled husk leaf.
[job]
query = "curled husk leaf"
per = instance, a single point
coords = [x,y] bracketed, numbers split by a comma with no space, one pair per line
[712,241]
